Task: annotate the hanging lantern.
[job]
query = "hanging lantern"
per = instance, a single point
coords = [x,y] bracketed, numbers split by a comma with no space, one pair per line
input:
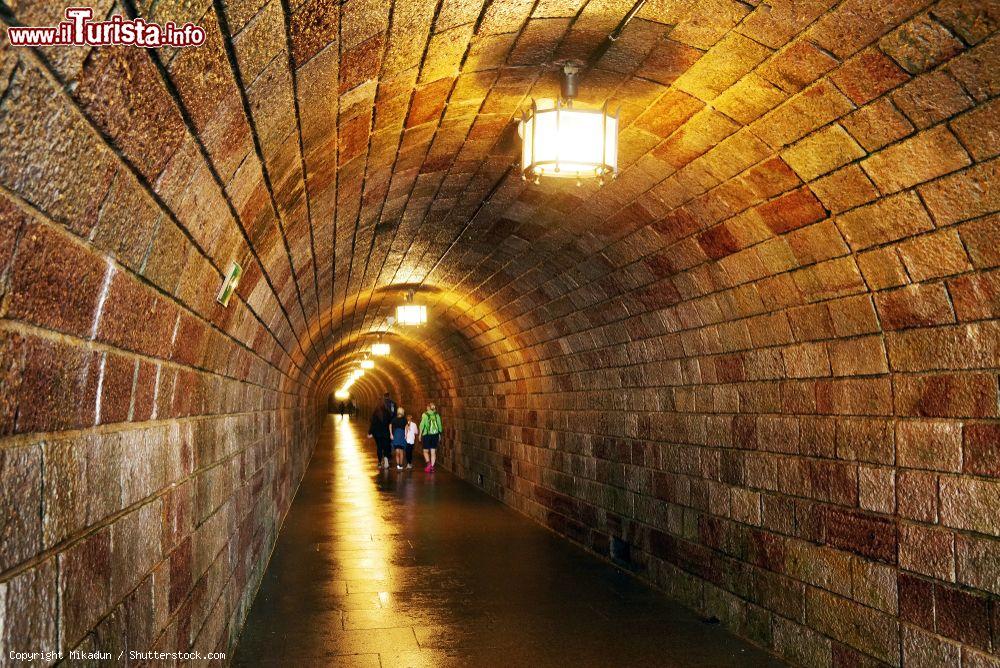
[562,141]
[410,313]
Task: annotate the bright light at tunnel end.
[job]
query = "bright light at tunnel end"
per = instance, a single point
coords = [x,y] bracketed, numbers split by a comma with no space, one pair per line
[344,390]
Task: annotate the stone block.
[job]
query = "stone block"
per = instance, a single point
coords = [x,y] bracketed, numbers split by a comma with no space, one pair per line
[920,305]
[867,75]
[868,535]
[934,445]
[30,605]
[927,551]
[83,476]
[967,395]
[55,282]
[870,631]
[822,152]
[48,385]
[888,219]
[962,616]
[922,157]
[920,44]
[978,562]
[84,585]
[981,449]
[971,504]
[20,499]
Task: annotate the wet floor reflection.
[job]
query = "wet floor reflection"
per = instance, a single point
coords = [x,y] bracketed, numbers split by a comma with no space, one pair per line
[408,568]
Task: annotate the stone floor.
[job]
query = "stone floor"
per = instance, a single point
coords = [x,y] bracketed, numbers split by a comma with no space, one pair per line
[416,569]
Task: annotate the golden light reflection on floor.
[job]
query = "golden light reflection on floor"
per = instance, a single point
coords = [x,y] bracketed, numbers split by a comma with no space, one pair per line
[357,499]
[407,569]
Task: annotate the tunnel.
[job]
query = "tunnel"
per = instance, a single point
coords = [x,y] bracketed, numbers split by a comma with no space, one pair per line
[733,403]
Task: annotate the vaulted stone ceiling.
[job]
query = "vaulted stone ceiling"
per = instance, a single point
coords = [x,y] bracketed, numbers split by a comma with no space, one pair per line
[766,356]
[343,152]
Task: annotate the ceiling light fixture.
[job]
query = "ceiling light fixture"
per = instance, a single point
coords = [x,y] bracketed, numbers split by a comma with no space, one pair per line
[380,349]
[410,313]
[367,364]
[565,142]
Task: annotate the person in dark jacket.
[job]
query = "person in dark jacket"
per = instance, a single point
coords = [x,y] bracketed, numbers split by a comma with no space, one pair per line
[379,430]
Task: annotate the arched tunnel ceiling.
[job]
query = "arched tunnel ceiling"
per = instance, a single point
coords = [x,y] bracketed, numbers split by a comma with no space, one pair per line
[336,149]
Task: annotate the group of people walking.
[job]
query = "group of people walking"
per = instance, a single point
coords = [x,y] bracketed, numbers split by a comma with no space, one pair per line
[348,408]
[395,434]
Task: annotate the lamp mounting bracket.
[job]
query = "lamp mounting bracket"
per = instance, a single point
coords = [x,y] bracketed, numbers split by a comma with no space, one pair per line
[569,79]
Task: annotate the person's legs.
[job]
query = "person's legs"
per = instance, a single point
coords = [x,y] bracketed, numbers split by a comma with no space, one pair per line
[409,455]
[386,452]
[399,457]
[430,450]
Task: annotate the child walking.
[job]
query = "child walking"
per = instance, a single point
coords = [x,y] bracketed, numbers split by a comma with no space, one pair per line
[411,439]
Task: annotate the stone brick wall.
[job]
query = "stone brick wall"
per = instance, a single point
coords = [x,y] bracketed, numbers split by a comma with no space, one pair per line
[149,451]
[769,361]
[151,440]
[766,356]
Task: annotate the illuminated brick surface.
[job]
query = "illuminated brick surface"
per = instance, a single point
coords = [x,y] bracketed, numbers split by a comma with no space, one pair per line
[766,355]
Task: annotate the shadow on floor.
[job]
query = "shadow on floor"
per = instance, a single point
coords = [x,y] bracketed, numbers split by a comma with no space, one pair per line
[416,569]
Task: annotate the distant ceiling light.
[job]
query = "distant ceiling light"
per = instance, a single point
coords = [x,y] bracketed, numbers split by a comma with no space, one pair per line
[357,373]
[564,142]
[367,364]
[341,394]
[410,313]
[380,349]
